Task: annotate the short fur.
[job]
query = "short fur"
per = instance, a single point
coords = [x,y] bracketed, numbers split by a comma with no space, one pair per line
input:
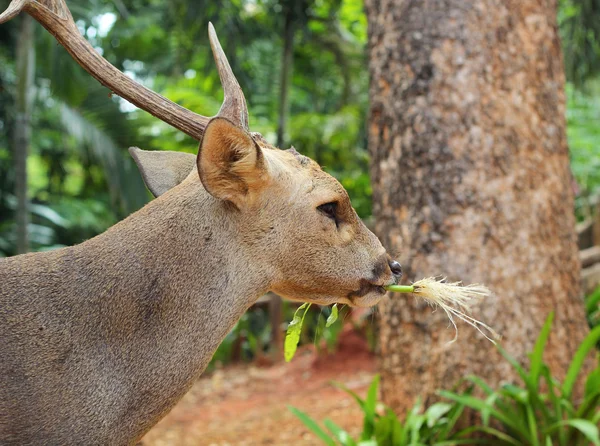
[100,340]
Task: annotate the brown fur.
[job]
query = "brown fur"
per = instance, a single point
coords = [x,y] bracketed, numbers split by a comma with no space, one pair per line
[100,340]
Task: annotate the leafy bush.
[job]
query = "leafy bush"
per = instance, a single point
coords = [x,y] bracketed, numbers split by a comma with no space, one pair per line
[540,415]
[583,132]
[531,414]
[381,426]
[329,335]
[43,229]
[246,341]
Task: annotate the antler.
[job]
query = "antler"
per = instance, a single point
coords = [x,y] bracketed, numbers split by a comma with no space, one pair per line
[54,15]
[234,103]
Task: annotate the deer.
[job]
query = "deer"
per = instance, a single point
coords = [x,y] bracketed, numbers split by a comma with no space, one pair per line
[98,341]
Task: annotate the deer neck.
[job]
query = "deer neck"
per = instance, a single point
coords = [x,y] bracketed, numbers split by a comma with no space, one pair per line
[193,258]
[188,280]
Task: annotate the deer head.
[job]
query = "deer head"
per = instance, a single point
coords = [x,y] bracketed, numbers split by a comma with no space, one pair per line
[297,218]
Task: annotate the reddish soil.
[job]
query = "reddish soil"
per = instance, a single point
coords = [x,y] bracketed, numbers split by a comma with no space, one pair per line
[248,404]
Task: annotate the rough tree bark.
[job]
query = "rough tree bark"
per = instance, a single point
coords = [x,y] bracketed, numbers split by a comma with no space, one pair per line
[471,179]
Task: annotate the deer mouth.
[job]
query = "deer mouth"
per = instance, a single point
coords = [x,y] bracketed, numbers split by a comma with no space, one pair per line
[366,287]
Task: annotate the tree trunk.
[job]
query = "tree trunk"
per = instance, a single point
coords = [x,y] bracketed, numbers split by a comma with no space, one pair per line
[471,180]
[25,76]
[287,61]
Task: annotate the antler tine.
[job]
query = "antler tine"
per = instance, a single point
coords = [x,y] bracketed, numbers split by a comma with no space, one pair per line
[54,15]
[234,103]
[14,8]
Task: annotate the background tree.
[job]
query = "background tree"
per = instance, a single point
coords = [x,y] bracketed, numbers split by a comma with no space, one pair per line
[22,135]
[471,178]
[580,28]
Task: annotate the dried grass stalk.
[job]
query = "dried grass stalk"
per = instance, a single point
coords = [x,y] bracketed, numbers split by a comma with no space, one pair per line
[454,298]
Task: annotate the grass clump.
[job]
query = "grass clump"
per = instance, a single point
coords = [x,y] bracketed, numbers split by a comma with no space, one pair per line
[538,411]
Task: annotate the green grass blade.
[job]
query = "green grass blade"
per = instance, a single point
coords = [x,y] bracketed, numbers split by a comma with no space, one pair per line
[587,428]
[556,402]
[384,428]
[588,344]
[435,412]
[592,302]
[454,415]
[313,426]
[502,436]
[532,425]
[532,378]
[409,422]
[479,405]
[481,383]
[371,400]
[489,402]
[353,394]
[592,383]
[340,434]
[590,403]
[369,409]
[459,442]
[520,370]
[538,352]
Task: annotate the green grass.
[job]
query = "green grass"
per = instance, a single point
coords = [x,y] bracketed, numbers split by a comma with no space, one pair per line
[539,410]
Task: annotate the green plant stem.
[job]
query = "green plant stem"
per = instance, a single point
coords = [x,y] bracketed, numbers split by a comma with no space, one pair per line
[400,288]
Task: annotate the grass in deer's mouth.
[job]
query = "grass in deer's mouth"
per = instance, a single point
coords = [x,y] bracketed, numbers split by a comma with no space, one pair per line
[454,298]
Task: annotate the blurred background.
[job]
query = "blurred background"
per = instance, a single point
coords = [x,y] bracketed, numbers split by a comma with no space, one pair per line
[303,65]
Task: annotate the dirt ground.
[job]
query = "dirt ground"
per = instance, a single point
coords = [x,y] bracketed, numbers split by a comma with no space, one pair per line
[248,404]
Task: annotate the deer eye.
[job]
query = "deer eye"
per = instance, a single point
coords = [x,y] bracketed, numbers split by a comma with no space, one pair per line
[329,210]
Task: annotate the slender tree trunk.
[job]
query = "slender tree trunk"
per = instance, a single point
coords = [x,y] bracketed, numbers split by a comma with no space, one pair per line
[25,76]
[287,61]
[471,180]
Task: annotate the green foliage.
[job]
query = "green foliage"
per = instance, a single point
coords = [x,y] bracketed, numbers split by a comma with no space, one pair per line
[252,335]
[592,308]
[43,229]
[82,134]
[580,32]
[292,335]
[327,329]
[583,131]
[332,317]
[79,146]
[246,341]
[381,426]
[542,411]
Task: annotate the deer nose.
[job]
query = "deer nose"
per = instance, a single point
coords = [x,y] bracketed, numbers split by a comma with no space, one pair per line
[396,268]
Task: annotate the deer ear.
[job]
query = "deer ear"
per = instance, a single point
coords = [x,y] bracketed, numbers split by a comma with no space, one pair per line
[162,171]
[230,163]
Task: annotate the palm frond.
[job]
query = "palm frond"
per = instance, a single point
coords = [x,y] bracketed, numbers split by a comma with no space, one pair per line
[125,183]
